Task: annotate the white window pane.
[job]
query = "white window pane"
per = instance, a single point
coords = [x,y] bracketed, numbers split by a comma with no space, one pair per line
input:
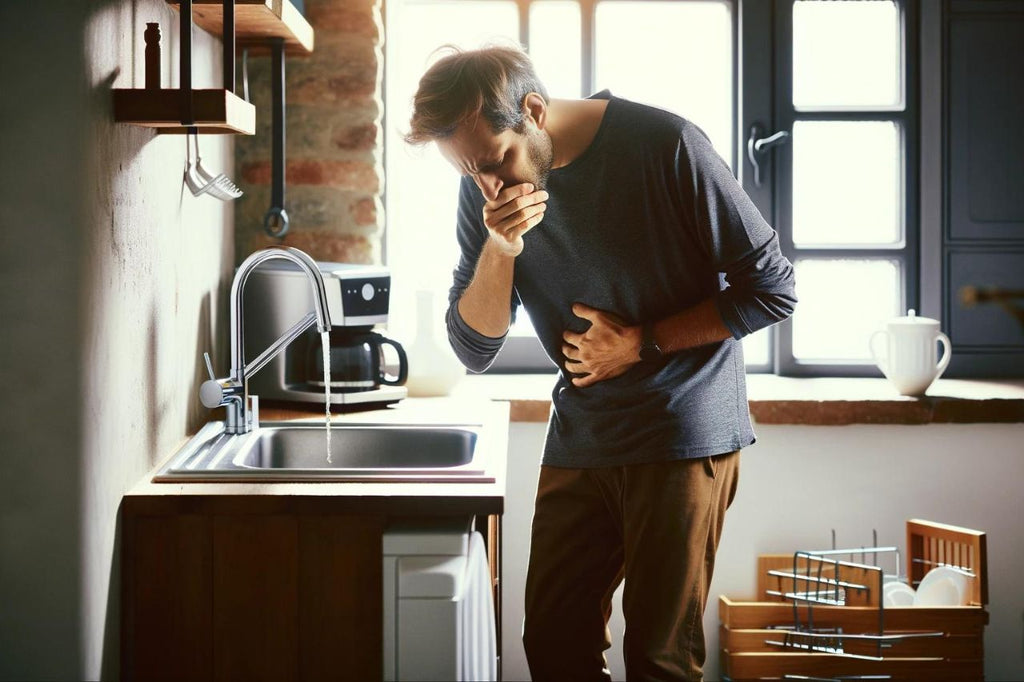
[847,184]
[421,187]
[846,54]
[841,303]
[677,56]
[523,325]
[555,46]
[757,347]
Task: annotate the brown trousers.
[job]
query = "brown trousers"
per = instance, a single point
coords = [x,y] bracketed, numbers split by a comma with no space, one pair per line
[655,525]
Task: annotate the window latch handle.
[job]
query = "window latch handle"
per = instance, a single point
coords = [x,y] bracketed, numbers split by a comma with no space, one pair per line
[758,147]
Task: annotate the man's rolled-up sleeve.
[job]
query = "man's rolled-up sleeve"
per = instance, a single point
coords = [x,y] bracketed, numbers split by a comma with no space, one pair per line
[473,349]
[761,290]
[761,285]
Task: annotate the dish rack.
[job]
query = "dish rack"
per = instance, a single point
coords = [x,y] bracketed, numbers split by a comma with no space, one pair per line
[819,615]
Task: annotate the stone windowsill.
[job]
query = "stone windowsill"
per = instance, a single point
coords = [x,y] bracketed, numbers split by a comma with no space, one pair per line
[818,401]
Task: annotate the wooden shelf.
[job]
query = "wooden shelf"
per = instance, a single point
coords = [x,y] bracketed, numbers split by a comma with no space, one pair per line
[255,22]
[214,111]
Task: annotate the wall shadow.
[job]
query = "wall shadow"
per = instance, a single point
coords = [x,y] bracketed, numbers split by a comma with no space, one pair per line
[110,662]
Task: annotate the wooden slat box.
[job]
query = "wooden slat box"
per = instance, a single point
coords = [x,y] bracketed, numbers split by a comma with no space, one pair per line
[957,654]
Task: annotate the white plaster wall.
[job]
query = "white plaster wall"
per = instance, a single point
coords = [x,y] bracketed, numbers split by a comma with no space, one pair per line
[110,289]
[797,483]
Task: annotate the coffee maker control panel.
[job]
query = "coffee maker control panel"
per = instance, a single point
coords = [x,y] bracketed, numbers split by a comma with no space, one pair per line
[358,299]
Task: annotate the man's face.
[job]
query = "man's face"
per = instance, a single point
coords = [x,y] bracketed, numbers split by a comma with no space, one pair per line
[499,160]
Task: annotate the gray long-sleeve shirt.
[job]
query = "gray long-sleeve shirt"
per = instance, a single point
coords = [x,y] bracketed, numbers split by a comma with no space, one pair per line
[646,222]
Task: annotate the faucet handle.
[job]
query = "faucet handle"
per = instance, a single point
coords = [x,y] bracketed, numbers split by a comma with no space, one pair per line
[217,392]
[209,366]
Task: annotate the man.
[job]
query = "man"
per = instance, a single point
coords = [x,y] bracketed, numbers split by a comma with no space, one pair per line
[613,223]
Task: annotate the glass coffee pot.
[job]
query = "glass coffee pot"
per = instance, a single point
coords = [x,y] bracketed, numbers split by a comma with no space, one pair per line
[357,361]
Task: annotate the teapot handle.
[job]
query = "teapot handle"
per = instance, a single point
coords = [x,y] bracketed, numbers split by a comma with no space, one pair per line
[882,362]
[947,354]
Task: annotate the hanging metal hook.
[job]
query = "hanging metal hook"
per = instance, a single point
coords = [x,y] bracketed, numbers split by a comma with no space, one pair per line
[275,221]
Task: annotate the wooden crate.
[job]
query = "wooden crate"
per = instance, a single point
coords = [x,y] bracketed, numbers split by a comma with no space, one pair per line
[956,653]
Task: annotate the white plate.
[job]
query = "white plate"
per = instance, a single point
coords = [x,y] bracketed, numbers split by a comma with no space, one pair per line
[940,592]
[942,586]
[897,594]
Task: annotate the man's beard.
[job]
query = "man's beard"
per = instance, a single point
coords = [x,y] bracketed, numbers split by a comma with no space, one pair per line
[541,157]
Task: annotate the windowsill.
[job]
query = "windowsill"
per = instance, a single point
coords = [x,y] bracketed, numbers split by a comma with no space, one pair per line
[822,402]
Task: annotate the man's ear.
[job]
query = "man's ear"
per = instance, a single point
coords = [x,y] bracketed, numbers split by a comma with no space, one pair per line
[536,108]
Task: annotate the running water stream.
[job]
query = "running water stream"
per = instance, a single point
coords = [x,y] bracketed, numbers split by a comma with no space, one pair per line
[325,342]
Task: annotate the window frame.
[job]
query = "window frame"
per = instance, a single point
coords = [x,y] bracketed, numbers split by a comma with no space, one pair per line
[906,118]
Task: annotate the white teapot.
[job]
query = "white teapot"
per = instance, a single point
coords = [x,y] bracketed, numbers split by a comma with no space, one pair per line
[909,360]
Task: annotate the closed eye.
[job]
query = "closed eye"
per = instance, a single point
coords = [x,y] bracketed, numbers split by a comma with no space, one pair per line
[491,167]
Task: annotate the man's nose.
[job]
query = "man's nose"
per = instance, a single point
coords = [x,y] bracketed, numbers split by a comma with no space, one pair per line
[490,184]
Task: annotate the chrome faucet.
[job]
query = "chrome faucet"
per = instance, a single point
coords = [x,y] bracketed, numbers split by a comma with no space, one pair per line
[232,391]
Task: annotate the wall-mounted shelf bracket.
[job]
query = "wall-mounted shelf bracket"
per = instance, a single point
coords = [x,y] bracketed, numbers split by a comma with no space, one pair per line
[214,110]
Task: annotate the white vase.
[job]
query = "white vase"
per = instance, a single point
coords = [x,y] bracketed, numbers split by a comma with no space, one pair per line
[433,368]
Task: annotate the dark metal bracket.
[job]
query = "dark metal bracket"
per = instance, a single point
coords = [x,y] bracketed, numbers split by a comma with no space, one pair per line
[275,222]
[185,61]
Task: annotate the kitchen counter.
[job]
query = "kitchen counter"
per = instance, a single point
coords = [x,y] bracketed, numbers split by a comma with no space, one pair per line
[352,497]
[283,581]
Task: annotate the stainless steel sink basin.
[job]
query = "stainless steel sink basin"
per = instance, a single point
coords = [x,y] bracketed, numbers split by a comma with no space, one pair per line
[361,447]
[359,452]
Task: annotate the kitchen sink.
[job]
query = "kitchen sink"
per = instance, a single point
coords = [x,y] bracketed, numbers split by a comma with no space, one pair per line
[360,447]
[289,451]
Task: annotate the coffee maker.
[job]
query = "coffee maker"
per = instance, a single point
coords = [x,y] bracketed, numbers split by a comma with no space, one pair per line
[278,294]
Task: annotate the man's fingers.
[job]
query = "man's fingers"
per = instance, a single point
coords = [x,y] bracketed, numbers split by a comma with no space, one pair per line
[584,381]
[512,191]
[572,338]
[522,228]
[506,196]
[518,218]
[585,311]
[498,213]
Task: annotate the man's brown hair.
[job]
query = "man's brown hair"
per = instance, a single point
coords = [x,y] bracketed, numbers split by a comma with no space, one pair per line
[492,81]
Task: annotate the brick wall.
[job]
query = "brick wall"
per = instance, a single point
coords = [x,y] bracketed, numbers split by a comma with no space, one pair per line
[334,173]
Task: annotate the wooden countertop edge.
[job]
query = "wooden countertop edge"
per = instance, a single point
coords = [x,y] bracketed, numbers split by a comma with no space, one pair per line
[915,411]
[815,402]
[157,499]
[845,412]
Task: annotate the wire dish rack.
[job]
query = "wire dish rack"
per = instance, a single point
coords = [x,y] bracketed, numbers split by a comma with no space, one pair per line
[820,614]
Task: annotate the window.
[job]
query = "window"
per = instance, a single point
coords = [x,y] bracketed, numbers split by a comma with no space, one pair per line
[846,118]
[845,210]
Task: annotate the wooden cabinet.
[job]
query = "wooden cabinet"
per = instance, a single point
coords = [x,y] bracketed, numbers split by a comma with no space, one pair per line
[253,588]
[983,231]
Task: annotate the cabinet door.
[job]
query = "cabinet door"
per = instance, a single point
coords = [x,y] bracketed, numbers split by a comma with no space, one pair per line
[166,620]
[340,603]
[983,242]
[279,596]
[297,597]
[255,598]
[986,141]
